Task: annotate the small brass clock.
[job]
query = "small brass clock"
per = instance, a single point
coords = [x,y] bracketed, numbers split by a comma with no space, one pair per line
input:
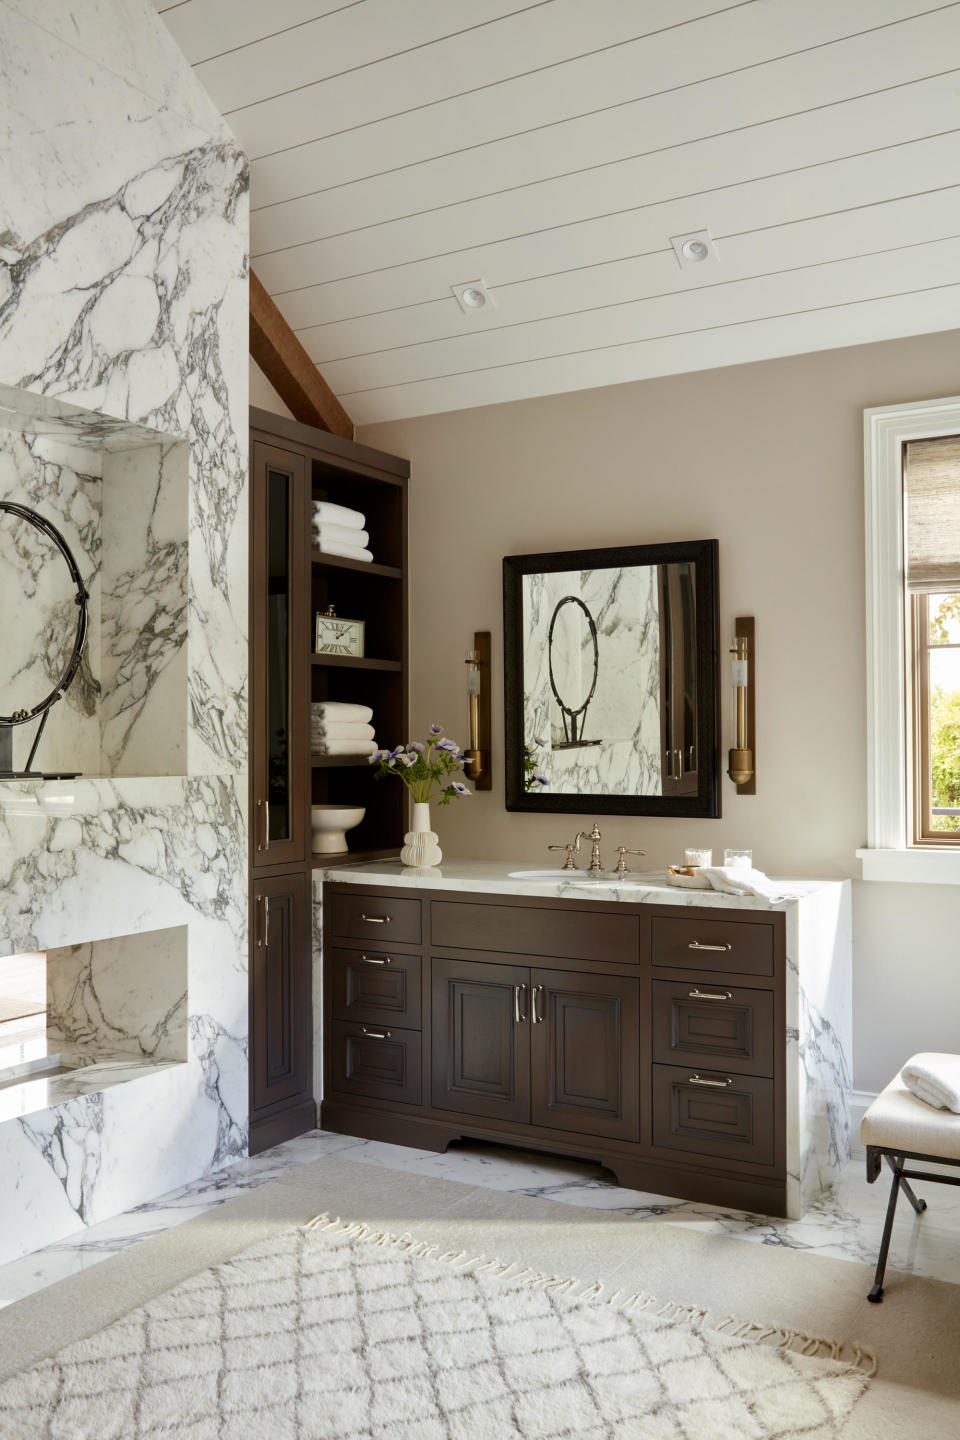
[337,636]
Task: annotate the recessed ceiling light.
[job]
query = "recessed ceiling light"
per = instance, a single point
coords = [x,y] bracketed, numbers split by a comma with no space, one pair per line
[472,296]
[694,249]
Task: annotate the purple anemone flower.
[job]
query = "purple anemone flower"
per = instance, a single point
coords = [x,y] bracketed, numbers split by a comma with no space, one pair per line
[436,729]
[541,780]
[449,746]
[407,759]
[460,788]
[416,747]
[377,756]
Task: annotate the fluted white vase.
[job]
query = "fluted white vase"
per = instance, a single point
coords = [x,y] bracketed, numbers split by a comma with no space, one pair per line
[420,845]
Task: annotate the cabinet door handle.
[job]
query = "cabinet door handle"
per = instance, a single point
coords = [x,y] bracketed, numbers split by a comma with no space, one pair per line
[375,1034]
[711,995]
[376,919]
[519,1003]
[695,945]
[266,920]
[375,959]
[715,1084]
[264,807]
[537,995]
[258,928]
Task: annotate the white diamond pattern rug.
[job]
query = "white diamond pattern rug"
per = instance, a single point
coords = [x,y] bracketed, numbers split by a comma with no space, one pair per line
[332,1332]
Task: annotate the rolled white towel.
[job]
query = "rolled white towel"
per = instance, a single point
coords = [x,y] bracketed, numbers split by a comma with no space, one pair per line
[345,747]
[342,730]
[742,880]
[325,535]
[349,552]
[935,1079]
[342,710]
[327,513]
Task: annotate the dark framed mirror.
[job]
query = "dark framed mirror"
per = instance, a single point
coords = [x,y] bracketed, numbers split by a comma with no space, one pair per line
[612,704]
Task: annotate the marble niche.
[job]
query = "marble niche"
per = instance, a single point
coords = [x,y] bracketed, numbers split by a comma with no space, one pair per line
[123,417]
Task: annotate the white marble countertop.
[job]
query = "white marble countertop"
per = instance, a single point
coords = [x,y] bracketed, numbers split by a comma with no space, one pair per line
[493,877]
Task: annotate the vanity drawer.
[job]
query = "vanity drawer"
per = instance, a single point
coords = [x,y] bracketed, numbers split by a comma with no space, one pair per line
[536,930]
[376,987]
[713,1112]
[686,942]
[703,1023]
[377,1061]
[379,918]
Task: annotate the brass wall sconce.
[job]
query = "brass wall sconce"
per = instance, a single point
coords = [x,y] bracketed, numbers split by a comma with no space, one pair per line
[477,766]
[743,758]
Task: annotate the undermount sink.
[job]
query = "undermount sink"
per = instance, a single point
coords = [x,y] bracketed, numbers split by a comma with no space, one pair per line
[579,877]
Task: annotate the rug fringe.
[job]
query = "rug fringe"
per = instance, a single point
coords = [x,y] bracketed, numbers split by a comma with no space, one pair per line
[814,1346]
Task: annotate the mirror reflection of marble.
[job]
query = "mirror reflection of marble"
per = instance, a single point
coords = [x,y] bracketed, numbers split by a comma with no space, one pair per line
[611,680]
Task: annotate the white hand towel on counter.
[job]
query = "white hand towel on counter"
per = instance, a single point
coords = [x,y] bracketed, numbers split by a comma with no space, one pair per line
[742,880]
[326,513]
[935,1079]
[325,535]
[342,730]
[346,747]
[349,552]
[342,711]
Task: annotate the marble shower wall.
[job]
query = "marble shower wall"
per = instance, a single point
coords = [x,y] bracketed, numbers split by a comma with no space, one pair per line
[123,295]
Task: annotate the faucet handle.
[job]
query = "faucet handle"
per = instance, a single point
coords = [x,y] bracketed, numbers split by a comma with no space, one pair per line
[622,850]
[570,848]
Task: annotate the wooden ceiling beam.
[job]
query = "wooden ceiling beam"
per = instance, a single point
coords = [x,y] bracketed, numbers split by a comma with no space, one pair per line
[289,368]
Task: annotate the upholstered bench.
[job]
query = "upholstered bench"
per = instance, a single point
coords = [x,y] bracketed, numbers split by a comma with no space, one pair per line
[899,1127]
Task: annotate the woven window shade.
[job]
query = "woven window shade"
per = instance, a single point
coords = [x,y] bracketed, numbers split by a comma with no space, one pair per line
[931,492]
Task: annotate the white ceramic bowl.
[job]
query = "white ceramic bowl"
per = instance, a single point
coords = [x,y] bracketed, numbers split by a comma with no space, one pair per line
[330,824]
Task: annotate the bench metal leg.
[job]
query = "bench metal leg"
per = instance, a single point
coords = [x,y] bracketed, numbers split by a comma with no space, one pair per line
[876,1293]
[918,1204]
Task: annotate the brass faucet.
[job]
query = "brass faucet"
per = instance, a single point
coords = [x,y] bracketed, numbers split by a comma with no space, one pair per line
[573,848]
[595,867]
[622,866]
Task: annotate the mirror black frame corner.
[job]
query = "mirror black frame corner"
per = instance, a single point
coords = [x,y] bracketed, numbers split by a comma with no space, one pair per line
[705,804]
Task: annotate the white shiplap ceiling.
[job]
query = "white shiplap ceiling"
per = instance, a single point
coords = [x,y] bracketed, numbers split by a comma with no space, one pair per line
[552,149]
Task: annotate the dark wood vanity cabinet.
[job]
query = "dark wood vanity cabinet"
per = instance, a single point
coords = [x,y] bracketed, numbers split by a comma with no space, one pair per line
[649,1038]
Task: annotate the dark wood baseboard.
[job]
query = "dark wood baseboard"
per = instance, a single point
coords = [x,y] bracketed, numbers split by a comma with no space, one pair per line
[274,1129]
[760,1196]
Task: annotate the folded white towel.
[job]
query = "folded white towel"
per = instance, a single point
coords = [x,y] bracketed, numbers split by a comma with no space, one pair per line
[342,730]
[330,514]
[742,880]
[349,552]
[325,535]
[344,747]
[935,1079]
[342,710]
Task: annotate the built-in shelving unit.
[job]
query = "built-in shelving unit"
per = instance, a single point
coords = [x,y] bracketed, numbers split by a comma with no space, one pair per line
[293,465]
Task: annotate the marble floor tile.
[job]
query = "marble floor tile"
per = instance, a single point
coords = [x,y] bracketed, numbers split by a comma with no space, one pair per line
[844,1224]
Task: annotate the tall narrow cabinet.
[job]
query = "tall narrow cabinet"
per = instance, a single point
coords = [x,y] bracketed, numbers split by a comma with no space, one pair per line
[293,465]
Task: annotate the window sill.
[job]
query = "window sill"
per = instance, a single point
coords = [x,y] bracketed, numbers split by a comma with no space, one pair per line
[916,865]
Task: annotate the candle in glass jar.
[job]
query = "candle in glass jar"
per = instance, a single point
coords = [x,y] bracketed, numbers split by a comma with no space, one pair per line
[698,858]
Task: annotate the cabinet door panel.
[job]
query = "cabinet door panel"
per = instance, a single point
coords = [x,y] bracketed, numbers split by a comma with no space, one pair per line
[280,1008]
[278,650]
[585,1062]
[481,1052]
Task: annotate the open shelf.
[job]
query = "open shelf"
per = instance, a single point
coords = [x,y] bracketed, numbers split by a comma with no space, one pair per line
[362,567]
[356,662]
[337,762]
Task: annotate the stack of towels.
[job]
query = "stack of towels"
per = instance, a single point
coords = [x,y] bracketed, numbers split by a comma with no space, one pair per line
[934,1078]
[338,530]
[337,728]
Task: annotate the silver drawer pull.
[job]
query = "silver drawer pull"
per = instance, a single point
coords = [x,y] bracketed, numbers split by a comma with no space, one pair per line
[381,920]
[375,959]
[715,1084]
[711,995]
[695,945]
[375,1034]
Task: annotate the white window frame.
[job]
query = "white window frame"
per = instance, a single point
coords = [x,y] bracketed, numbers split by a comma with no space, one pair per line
[888,854]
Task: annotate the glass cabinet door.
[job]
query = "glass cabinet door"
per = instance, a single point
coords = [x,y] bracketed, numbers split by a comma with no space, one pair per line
[278,656]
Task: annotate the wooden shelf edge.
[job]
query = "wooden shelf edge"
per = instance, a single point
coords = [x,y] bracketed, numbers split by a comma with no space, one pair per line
[334,762]
[352,857]
[356,662]
[359,567]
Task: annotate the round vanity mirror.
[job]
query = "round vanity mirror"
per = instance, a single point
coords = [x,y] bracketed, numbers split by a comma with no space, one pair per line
[574,660]
[45,623]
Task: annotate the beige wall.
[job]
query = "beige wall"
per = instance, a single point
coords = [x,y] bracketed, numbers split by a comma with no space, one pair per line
[262,394]
[767,458]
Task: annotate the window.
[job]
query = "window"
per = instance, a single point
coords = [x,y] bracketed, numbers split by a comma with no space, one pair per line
[912,472]
[931,496]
